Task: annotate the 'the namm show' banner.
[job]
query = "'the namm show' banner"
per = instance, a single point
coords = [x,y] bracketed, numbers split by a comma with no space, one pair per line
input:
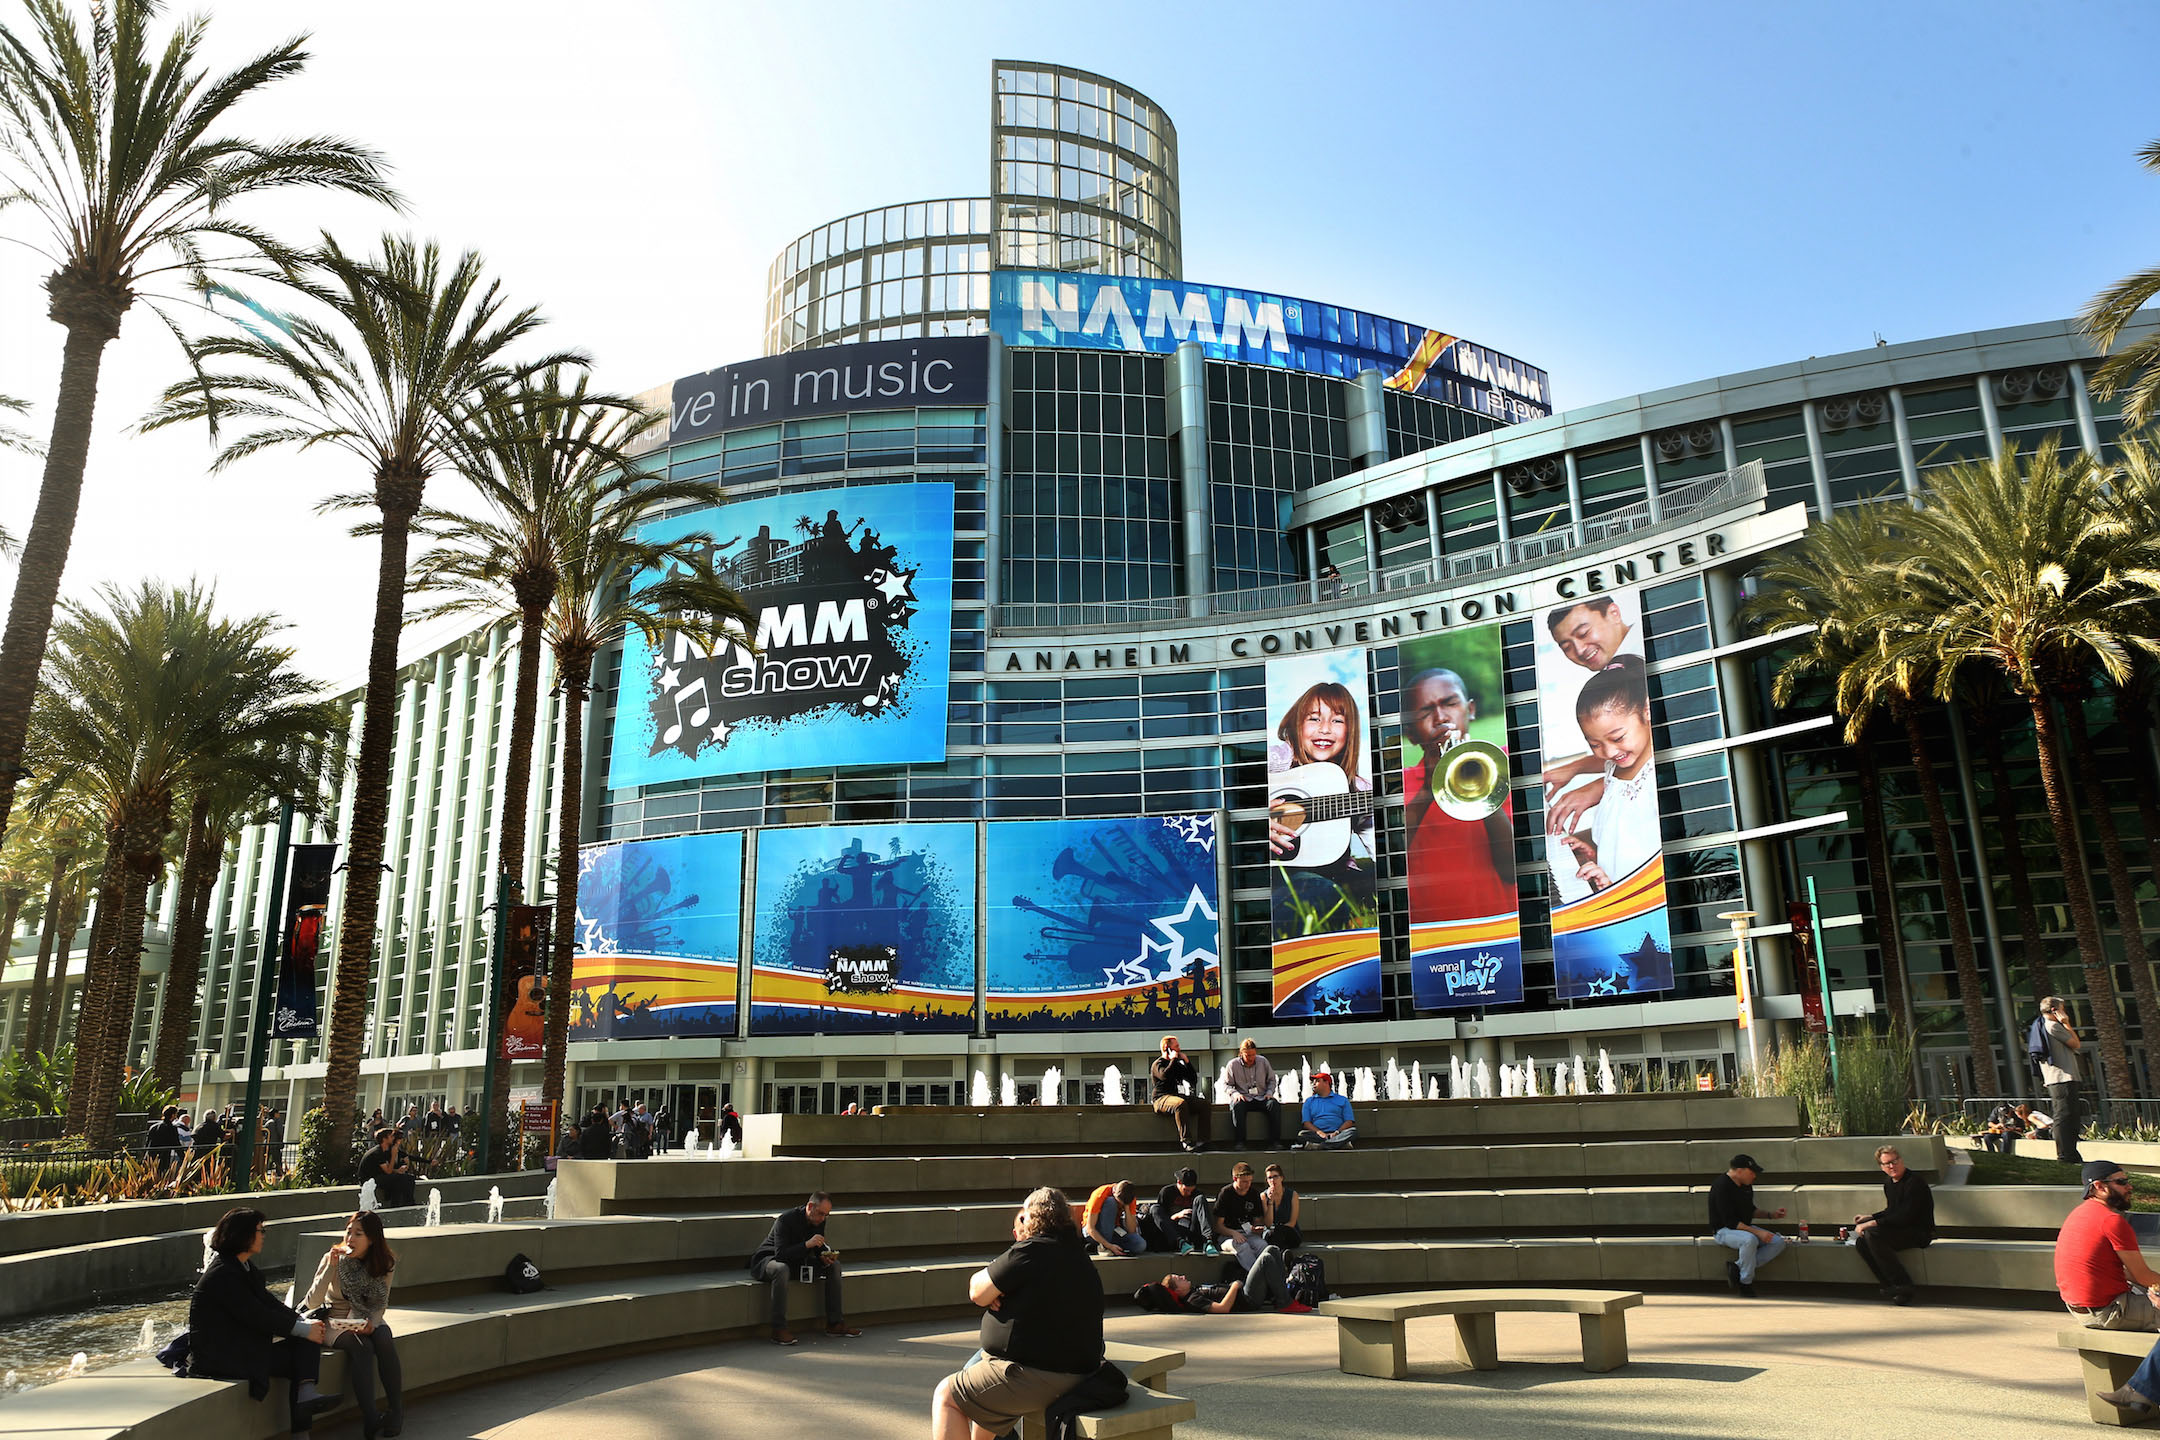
[1321,892]
[1103,924]
[1610,932]
[852,590]
[1465,931]
[864,927]
[659,923]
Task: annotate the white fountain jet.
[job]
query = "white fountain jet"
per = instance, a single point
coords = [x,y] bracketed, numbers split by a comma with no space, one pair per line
[434,1208]
[495,1204]
[1008,1090]
[367,1196]
[1053,1087]
[1484,1080]
[979,1091]
[550,1206]
[1604,1073]
[1113,1086]
[1581,1085]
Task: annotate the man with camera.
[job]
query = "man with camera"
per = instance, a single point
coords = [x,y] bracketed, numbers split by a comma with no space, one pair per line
[795,1249]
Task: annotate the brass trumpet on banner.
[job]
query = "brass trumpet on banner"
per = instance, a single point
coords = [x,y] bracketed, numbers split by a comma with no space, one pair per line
[1471,780]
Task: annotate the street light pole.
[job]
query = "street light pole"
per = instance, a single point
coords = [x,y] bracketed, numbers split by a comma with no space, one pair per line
[1743,986]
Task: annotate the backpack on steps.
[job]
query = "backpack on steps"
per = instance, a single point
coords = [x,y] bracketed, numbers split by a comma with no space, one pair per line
[1308,1280]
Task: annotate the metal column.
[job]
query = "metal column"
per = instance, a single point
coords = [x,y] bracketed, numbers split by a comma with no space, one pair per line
[1908,468]
[1188,422]
[1997,967]
[1819,472]
[1989,417]
[2081,398]
[1649,473]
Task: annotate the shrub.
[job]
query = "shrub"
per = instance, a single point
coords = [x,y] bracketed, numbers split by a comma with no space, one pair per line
[1801,1070]
[1874,1079]
[327,1156]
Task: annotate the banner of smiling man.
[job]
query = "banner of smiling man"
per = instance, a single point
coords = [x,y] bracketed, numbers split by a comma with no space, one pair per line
[1602,828]
[1322,885]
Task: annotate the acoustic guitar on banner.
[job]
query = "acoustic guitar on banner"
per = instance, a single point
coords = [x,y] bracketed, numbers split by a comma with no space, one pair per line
[1316,804]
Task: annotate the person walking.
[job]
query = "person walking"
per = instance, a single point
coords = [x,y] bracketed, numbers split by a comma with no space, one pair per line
[2059,1072]
[1177,1094]
[1042,1326]
[274,1142]
[353,1281]
[238,1331]
[1250,1079]
[1906,1222]
[796,1244]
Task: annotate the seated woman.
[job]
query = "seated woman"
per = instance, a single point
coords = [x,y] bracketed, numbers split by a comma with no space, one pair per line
[353,1280]
[1279,1211]
[1266,1286]
[236,1331]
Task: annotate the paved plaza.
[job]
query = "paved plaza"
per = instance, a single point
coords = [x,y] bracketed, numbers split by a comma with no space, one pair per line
[1703,1365]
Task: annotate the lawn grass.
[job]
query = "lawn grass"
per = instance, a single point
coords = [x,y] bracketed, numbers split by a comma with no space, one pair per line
[1990,1168]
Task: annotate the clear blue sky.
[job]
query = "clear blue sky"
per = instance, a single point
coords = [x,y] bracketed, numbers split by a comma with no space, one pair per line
[1629,196]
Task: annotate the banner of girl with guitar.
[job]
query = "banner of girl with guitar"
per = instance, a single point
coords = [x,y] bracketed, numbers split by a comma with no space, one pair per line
[1326,931]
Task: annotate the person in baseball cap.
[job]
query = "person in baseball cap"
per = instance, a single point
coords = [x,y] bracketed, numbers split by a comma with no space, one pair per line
[1326,1122]
[1732,1222]
[2100,1271]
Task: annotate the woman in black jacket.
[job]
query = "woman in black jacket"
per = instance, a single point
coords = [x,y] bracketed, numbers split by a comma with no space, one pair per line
[236,1331]
[597,1140]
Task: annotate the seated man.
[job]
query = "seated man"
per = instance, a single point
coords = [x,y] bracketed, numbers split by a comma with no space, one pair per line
[393,1180]
[1906,1222]
[1177,1093]
[1251,1083]
[1325,1122]
[1266,1286]
[1240,1215]
[1111,1219]
[797,1243]
[1732,1221]
[2099,1269]
[2004,1128]
[1179,1219]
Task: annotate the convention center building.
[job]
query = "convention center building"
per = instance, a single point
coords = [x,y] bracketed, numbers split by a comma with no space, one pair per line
[1138,653]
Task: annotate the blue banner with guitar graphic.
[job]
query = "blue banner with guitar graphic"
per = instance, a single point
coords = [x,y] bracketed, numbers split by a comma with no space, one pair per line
[1325,912]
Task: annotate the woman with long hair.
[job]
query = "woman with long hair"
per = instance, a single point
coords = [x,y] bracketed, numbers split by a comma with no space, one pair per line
[353,1280]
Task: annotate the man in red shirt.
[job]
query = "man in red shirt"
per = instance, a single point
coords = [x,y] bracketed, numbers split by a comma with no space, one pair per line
[2099,1269]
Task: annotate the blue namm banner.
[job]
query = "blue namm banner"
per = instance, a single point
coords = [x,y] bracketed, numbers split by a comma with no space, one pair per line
[659,925]
[864,928]
[852,589]
[1103,924]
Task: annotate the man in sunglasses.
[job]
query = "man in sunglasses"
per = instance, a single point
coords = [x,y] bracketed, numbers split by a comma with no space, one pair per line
[1906,1222]
[2099,1269]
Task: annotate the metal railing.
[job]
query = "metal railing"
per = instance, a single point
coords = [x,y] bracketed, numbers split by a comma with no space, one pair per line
[1686,502]
[2097,1113]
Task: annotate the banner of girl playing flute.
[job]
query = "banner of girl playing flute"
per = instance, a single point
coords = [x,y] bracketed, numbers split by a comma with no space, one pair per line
[1607,878]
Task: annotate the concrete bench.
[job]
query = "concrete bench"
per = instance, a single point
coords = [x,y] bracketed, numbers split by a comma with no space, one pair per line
[1146,1411]
[2106,1358]
[1370,1331]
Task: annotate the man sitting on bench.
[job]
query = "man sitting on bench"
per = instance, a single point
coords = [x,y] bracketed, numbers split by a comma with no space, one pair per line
[1732,1221]
[1111,1219]
[2099,1269]
[1179,1221]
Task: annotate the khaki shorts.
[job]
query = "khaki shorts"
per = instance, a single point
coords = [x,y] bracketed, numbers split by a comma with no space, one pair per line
[995,1393]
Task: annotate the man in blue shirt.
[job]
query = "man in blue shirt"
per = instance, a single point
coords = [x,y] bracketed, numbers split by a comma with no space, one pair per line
[1325,1123]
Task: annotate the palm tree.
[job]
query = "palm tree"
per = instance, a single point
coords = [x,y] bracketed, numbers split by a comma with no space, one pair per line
[114,141]
[74,853]
[599,558]
[2134,371]
[1981,696]
[1835,579]
[142,702]
[2022,567]
[388,369]
[537,447]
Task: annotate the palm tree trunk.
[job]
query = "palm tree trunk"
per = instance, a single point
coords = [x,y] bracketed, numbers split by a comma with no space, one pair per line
[91,314]
[2003,801]
[510,845]
[36,1033]
[12,906]
[2092,954]
[575,676]
[96,994]
[2127,919]
[72,901]
[1875,835]
[191,913]
[1971,998]
[125,943]
[397,498]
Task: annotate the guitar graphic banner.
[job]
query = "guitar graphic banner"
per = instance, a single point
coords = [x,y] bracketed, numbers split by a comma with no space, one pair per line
[1610,932]
[1104,924]
[659,928]
[1322,902]
[1458,815]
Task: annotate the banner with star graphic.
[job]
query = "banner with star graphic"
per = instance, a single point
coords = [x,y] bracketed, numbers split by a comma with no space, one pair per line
[659,927]
[1603,834]
[1103,924]
[852,590]
[864,928]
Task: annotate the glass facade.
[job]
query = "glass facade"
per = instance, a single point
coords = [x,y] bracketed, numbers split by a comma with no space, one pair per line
[1084,174]
[894,273]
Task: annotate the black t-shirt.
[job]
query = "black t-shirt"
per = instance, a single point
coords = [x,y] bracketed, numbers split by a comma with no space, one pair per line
[1732,1204]
[1050,1310]
[1171,1201]
[1201,1298]
[1235,1210]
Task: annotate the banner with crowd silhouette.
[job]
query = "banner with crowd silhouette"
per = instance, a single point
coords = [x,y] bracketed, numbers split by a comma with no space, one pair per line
[1603,833]
[1103,924]
[864,928]
[1459,822]
[1322,887]
[659,928]
[851,590]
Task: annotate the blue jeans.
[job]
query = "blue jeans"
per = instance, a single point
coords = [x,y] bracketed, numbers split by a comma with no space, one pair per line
[1754,1253]
[1131,1242]
[2146,1378]
[1315,1140]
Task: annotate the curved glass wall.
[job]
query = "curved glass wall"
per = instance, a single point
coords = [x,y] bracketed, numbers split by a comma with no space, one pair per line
[1083,174]
[899,272]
